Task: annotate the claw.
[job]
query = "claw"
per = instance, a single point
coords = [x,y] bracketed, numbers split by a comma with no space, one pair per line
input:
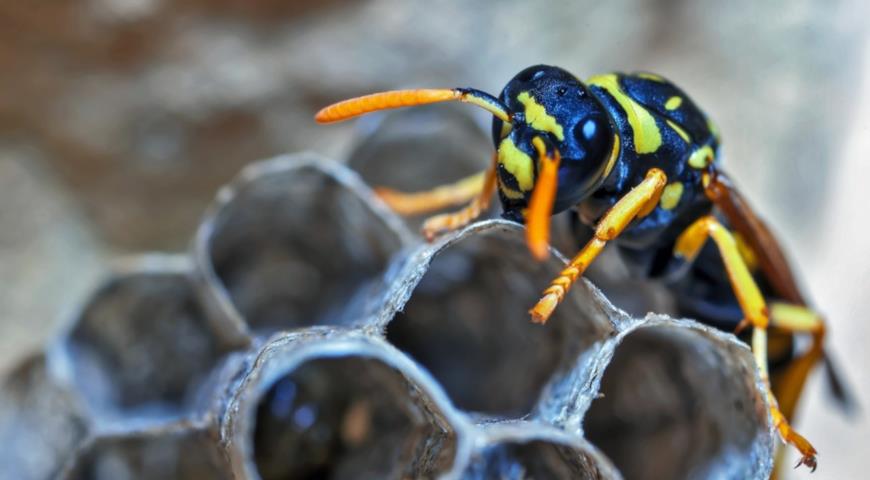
[809,460]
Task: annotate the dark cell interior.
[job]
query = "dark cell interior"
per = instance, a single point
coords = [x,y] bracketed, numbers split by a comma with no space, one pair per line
[349,417]
[178,455]
[143,346]
[421,148]
[467,322]
[537,459]
[671,408]
[297,249]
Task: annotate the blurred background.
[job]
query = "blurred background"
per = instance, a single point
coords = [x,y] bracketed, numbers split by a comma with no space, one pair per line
[120,118]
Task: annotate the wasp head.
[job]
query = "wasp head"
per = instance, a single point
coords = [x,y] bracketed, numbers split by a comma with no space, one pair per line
[550,103]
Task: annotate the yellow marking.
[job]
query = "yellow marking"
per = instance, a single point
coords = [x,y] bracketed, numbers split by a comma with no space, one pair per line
[673,103]
[647,137]
[485,104]
[510,192]
[538,118]
[746,252]
[682,133]
[614,154]
[701,157]
[651,76]
[671,196]
[518,163]
[506,128]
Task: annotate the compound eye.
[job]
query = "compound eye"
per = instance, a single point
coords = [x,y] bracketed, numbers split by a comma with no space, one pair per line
[592,133]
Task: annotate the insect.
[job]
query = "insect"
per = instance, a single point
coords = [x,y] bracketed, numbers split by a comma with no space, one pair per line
[637,162]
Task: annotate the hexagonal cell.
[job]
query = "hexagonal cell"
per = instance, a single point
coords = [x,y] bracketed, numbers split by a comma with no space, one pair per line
[292,242]
[40,423]
[175,452]
[680,400]
[525,450]
[141,347]
[420,148]
[462,312]
[334,407]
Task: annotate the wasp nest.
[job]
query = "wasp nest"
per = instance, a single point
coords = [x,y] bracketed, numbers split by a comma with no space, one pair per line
[309,334]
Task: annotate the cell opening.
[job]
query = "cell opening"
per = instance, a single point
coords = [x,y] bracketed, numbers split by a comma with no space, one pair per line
[143,346]
[467,322]
[349,417]
[676,403]
[41,423]
[295,247]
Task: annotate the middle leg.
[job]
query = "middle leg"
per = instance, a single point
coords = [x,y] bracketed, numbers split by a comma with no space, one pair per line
[754,309]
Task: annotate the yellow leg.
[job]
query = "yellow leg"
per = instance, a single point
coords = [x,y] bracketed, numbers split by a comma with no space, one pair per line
[451,221]
[439,197]
[634,204]
[754,308]
[795,318]
[788,385]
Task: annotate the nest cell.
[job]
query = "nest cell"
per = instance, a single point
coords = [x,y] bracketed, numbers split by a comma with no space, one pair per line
[141,346]
[465,320]
[293,242]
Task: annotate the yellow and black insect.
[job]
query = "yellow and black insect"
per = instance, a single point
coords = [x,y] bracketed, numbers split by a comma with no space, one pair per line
[637,162]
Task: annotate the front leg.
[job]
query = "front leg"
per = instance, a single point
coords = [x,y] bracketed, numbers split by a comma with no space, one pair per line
[440,197]
[641,200]
[449,222]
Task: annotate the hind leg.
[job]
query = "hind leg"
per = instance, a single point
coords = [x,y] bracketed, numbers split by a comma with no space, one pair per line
[797,319]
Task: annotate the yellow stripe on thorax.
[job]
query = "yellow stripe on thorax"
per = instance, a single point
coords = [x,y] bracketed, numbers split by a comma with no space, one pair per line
[538,118]
[647,137]
[671,196]
[518,163]
[682,133]
[701,157]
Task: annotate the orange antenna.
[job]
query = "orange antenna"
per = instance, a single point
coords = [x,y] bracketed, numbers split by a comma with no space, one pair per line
[408,98]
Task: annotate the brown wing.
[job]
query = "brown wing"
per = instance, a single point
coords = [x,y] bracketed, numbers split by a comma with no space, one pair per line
[743,219]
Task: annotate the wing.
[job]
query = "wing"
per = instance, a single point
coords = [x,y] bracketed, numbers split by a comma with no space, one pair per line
[744,221]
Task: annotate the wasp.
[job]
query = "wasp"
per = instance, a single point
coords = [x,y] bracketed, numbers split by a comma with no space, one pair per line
[638,164]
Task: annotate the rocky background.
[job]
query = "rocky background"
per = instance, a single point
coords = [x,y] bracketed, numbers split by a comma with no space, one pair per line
[119,118]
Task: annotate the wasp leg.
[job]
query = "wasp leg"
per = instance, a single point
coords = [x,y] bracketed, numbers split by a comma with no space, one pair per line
[448,222]
[754,308]
[437,198]
[638,202]
[789,384]
[798,319]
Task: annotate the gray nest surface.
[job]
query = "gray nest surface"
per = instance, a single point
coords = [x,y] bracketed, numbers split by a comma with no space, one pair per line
[310,334]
